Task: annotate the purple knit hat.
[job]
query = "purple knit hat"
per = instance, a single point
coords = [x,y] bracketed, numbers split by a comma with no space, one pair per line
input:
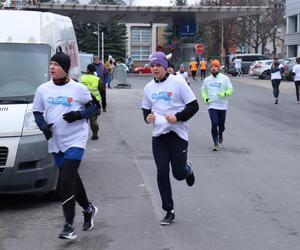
[158,58]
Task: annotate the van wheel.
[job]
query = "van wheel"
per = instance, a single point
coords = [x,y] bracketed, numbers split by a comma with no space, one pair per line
[55,195]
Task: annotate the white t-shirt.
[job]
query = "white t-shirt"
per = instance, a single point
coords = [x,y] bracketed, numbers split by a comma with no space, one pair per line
[277,75]
[168,97]
[184,75]
[54,101]
[296,70]
[237,63]
[214,85]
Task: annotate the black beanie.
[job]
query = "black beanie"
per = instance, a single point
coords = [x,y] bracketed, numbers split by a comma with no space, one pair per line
[63,60]
[91,68]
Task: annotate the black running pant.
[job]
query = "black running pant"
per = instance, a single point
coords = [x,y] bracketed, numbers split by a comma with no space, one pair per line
[103,98]
[203,73]
[94,124]
[275,85]
[193,74]
[72,189]
[297,84]
[169,148]
[217,118]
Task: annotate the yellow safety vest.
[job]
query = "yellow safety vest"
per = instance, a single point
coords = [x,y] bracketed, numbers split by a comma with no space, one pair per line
[92,82]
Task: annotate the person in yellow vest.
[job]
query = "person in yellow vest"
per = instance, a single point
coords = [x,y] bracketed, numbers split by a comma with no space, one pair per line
[194,67]
[93,83]
[203,66]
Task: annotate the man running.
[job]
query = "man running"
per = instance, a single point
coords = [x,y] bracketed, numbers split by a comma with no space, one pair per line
[215,90]
[194,67]
[296,73]
[168,104]
[276,70]
[183,73]
[238,67]
[203,65]
[61,108]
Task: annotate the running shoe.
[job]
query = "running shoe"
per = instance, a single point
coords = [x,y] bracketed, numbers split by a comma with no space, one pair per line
[190,179]
[168,219]
[88,223]
[215,147]
[68,233]
[95,137]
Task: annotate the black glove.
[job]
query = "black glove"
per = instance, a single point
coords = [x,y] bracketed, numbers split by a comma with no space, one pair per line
[47,131]
[72,116]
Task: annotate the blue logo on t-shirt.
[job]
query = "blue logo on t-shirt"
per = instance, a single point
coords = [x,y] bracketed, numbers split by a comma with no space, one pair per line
[60,100]
[215,84]
[162,96]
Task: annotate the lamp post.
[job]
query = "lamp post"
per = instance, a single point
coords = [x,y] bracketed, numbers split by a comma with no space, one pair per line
[102,45]
[222,41]
[98,42]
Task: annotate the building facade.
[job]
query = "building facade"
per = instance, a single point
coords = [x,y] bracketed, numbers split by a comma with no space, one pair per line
[292,38]
[142,40]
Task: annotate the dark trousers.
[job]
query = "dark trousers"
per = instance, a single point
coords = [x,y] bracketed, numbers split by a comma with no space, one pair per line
[194,74]
[297,84]
[203,73]
[275,85]
[72,189]
[103,98]
[94,125]
[217,118]
[169,148]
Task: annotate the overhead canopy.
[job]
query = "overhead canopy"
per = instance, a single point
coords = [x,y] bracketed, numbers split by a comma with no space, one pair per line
[147,14]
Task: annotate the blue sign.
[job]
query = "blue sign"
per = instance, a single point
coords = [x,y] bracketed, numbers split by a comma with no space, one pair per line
[187,29]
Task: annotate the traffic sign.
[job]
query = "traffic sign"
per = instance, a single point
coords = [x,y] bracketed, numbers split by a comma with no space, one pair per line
[199,47]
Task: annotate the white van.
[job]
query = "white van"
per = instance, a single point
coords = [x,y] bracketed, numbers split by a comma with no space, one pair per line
[85,59]
[28,39]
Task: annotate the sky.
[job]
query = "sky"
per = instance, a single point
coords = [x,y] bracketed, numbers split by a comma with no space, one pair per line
[156,2]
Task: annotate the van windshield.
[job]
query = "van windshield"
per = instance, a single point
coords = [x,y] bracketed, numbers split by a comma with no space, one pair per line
[23,67]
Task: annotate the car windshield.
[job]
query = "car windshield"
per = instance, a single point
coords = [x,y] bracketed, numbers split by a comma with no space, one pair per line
[23,67]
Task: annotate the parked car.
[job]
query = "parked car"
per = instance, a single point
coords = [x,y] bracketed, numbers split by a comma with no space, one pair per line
[247,60]
[262,68]
[142,70]
[288,68]
[251,68]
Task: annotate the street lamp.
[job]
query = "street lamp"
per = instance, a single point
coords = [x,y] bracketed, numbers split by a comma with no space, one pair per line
[98,42]
[222,41]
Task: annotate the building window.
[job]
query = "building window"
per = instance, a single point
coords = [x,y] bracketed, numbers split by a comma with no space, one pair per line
[292,50]
[140,52]
[140,35]
[292,24]
[140,43]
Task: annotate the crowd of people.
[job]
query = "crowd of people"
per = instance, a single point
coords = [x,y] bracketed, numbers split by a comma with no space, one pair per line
[62,108]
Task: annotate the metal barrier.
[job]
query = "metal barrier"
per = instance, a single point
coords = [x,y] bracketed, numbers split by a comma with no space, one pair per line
[119,77]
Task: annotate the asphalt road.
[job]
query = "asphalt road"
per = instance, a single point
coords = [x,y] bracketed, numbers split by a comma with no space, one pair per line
[246,196]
